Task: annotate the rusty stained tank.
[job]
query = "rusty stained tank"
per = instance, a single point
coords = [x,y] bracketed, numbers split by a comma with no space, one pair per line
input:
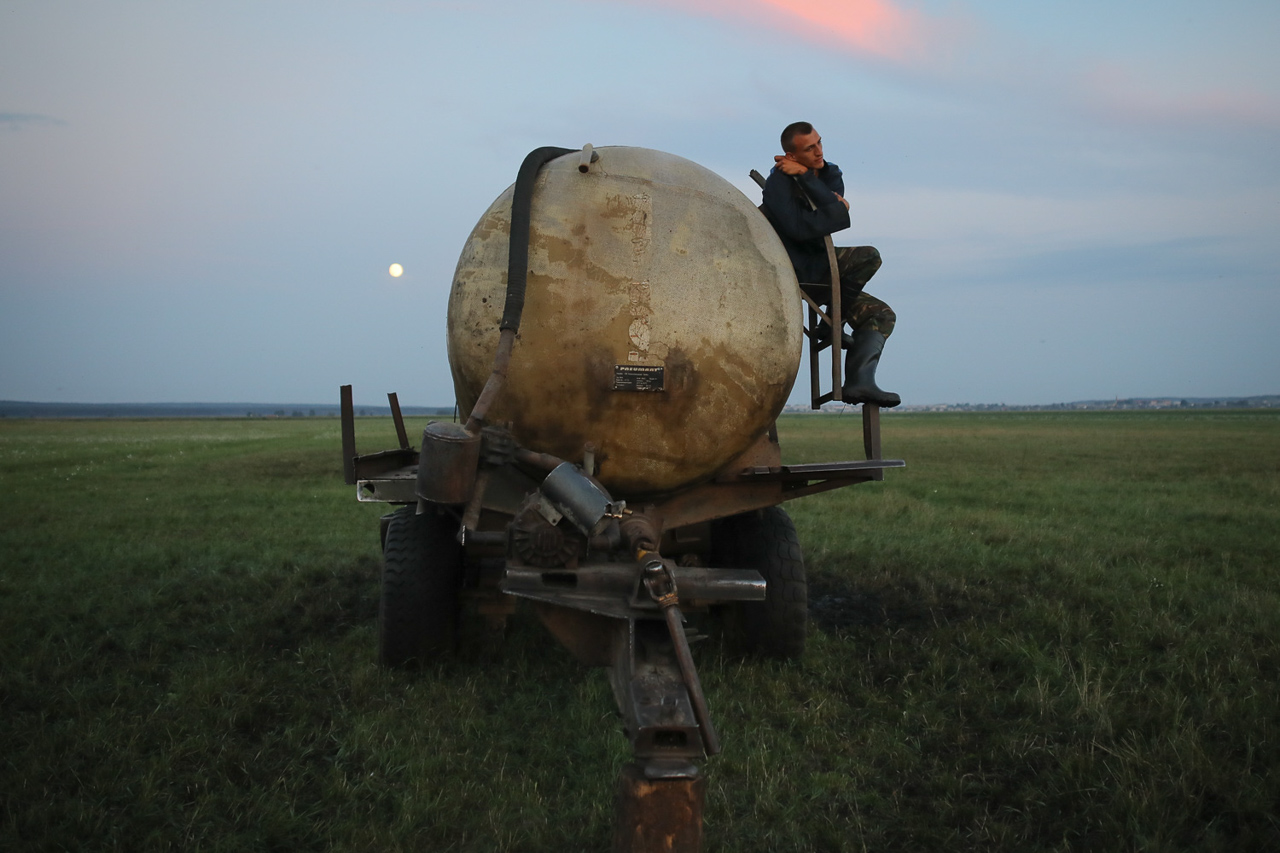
[661,322]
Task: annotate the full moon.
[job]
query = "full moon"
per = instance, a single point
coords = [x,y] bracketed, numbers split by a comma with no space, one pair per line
[396,270]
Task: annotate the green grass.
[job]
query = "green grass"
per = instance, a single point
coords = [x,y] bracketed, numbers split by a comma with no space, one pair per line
[1050,632]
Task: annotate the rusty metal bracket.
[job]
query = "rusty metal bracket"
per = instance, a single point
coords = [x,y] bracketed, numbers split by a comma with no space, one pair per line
[610,589]
[348,435]
[398,419]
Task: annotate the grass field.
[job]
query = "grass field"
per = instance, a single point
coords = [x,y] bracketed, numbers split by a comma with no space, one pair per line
[1050,632]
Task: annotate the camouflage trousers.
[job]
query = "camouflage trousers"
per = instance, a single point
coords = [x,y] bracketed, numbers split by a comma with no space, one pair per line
[861,310]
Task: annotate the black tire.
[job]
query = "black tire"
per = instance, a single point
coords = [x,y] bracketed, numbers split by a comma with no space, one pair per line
[765,540]
[421,574]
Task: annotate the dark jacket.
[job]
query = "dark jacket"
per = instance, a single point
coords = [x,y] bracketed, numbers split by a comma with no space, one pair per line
[801,228]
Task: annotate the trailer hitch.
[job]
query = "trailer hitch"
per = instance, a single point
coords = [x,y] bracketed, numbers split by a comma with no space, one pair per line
[661,585]
[661,793]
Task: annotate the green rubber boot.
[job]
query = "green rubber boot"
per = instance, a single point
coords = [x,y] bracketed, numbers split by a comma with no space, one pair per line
[860,371]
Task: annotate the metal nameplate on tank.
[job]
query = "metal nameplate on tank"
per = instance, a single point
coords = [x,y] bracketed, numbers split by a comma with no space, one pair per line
[634,377]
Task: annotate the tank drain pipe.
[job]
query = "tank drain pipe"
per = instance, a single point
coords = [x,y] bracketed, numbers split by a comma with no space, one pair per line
[545,461]
[517,276]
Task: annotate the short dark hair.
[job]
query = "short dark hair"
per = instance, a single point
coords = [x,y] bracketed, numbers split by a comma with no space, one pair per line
[791,131]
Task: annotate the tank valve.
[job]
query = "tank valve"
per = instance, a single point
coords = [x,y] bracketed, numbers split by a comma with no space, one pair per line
[589,156]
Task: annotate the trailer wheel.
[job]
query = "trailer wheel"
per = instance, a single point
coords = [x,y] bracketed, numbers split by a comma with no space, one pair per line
[765,540]
[421,574]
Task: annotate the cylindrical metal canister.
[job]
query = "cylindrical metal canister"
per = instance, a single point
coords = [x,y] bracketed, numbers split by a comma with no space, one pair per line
[581,501]
[447,464]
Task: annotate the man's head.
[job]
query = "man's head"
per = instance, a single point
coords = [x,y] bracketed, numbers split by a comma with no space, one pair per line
[802,143]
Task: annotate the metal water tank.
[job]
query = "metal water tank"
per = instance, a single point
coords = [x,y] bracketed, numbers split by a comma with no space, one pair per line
[662,319]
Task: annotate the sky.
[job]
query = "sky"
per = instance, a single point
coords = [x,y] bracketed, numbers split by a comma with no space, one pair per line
[199,202]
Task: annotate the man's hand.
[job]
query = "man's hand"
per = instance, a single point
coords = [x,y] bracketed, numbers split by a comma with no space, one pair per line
[788,166]
[843,200]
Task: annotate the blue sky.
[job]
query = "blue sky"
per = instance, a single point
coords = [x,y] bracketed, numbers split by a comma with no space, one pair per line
[199,202]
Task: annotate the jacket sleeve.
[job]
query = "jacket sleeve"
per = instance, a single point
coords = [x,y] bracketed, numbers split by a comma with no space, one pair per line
[793,217]
[834,179]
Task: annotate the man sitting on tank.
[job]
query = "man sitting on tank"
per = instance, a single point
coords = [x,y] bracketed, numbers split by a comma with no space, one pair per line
[804,200]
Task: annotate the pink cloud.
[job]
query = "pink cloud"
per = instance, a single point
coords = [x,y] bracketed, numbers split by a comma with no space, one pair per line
[870,26]
[874,27]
